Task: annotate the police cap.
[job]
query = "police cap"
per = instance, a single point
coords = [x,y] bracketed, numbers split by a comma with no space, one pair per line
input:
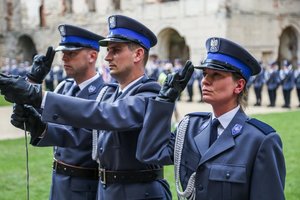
[125,29]
[225,55]
[75,38]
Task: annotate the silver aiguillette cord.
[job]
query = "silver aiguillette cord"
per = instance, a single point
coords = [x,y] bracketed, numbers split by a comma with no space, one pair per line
[27,166]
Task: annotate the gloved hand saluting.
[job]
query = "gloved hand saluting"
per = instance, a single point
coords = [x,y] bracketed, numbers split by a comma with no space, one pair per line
[41,66]
[18,90]
[175,83]
[32,119]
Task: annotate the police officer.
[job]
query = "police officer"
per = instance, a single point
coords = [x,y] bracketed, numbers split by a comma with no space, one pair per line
[122,175]
[75,173]
[297,82]
[272,81]
[287,82]
[220,155]
[258,83]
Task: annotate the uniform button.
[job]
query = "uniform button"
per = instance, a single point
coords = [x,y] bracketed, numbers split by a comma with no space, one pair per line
[55,117]
[227,175]
[101,150]
[200,187]
[146,194]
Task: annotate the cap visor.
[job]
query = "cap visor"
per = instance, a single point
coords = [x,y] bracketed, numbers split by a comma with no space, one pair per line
[67,48]
[105,42]
[214,67]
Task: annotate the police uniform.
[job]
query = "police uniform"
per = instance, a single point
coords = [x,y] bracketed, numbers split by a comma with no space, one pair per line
[75,173]
[297,82]
[258,83]
[272,81]
[287,83]
[122,175]
[245,162]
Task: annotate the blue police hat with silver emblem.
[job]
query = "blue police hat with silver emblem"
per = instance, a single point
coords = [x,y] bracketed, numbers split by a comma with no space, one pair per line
[75,38]
[225,55]
[125,29]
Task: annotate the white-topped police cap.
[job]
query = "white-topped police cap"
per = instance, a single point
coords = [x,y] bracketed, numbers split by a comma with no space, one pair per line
[225,55]
[75,38]
[126,29]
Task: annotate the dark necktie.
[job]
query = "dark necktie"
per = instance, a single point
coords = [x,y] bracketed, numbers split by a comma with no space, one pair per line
[74,90]
[214,131]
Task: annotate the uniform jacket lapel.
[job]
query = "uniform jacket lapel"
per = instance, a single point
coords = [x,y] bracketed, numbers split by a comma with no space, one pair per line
[91,89]
[226,139]
[202,139]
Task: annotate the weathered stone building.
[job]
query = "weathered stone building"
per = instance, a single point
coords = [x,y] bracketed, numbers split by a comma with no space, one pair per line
[270,29]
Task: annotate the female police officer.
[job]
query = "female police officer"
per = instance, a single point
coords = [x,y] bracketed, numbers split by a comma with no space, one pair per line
[220,155]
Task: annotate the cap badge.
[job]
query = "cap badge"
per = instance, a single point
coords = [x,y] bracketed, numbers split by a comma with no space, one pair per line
[91,89]
[62,30]
[214,45]
[112,22]
[236,129]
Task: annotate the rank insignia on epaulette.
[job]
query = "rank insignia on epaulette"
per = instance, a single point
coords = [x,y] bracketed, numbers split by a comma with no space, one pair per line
[214,45]
[91,88]
[236,129]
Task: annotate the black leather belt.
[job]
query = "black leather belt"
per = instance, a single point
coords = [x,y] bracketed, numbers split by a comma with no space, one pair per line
[75,171]
[138,176]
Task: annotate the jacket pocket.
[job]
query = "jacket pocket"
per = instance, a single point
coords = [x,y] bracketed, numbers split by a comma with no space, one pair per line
[228,173]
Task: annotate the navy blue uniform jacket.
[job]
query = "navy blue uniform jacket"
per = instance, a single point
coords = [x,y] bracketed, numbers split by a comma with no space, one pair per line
[78,153]
[245,162]
[121,120]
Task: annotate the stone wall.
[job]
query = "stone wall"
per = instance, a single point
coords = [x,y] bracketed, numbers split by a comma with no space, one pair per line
[255,24]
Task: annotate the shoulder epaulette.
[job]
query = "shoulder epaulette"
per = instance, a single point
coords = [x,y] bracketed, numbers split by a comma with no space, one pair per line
[202,114]
[263,127]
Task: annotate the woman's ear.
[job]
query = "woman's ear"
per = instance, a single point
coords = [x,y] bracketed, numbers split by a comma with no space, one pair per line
[240,85]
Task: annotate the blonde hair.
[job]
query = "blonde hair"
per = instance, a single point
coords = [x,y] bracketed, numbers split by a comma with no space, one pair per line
[242,99]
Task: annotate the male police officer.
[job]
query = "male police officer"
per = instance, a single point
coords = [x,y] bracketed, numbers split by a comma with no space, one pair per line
[287,82]
[75,173]
[272,81]
[122,175]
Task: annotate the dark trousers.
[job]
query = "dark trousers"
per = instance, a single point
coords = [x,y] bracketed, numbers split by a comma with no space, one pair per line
[272,96]
[190,92]
[298,94]
[287,97]
[258,95]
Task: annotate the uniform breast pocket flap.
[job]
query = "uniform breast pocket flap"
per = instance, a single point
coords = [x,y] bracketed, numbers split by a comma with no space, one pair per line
[228,173]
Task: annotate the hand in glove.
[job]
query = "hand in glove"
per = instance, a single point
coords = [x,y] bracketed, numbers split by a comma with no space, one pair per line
[17,90]
[41,66]
[32,119]
[175,83]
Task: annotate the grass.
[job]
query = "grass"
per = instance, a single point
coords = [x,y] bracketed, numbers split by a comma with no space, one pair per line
[13,171]
[3,102]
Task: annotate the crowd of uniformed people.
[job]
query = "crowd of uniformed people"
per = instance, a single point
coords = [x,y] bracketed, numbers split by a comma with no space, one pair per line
[266,84]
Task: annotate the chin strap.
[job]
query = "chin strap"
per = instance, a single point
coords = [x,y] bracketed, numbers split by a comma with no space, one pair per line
[27,159]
